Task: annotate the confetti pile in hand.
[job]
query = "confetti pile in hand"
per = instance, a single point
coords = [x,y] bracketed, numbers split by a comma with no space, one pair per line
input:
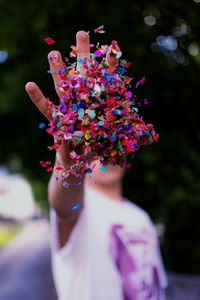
[98,112]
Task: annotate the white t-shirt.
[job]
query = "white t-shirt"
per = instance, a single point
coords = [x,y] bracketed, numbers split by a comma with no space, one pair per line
[112,253]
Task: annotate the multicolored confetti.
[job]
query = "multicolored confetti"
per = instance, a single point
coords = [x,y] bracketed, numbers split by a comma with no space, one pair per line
[98,113]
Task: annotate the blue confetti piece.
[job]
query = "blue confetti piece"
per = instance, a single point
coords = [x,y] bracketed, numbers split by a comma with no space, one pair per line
[117,112]
[50,72]
[89,170]
[59,124]
[114,137]
[121,70]
[146,132]
[42,125]
[101,123]
[119,54]
[103,168]
[75,107]
[76,207]
[81,113]
[79,61]
[109,77]
[91,113]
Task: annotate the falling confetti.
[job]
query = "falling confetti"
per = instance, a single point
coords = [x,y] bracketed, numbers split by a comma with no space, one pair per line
[76,207]
[42,125]
[45,163]
[99,29]
[49,40]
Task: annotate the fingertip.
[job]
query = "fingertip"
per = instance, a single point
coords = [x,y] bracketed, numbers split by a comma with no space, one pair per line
[30,86]
[54,54]
[82,35]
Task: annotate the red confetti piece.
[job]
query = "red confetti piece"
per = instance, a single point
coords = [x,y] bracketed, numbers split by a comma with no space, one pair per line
[45,163]
[49,40]
[59,168]
[50,169]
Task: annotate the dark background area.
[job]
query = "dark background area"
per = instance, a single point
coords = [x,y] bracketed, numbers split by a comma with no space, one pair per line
[161,38]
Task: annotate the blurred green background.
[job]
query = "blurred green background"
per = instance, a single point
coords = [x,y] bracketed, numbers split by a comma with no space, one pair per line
[161,38]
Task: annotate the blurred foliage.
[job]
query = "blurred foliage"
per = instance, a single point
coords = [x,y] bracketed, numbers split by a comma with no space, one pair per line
[165,176]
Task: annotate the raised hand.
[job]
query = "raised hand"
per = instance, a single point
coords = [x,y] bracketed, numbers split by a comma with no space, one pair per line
[60,198]
[56,63]
[38,98]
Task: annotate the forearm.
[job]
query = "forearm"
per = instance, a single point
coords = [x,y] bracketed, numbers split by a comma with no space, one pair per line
[63,199]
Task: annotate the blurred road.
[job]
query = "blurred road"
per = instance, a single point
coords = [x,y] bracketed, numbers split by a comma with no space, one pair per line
[183,287]
[25,266]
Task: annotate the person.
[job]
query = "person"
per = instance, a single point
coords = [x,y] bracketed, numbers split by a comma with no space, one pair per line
[103,246]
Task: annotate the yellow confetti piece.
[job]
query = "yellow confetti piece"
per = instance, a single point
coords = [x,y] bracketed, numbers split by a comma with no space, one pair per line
[60,114]
[87,135]
[71,72]
[101,118]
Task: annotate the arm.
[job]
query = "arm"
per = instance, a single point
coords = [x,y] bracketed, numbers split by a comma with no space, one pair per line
[60,198]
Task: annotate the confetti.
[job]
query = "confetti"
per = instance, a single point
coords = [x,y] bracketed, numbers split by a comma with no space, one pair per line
[103,168]
[42,125]
[140,82]
[45,163]
[99,29]
[49,40]
[76,207]
[98,112]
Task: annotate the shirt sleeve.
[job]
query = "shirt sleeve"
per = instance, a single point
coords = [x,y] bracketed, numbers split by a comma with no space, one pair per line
[75,238]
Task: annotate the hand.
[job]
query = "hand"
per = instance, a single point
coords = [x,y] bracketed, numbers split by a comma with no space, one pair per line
[56,63]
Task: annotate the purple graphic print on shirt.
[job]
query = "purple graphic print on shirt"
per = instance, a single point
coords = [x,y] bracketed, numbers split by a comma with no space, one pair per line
[134,259]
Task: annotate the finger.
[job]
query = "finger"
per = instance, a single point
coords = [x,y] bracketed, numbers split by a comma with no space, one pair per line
[39,100]
[83,46]
[56,64]
[111,59]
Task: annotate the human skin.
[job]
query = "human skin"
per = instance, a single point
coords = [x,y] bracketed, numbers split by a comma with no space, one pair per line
[62,199]
[108,182]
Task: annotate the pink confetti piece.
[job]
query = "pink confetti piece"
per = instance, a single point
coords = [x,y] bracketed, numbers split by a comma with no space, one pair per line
[140,82]
[98,53]
[99,29]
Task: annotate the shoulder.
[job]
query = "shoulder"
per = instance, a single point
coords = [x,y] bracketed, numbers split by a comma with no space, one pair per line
[139,213]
